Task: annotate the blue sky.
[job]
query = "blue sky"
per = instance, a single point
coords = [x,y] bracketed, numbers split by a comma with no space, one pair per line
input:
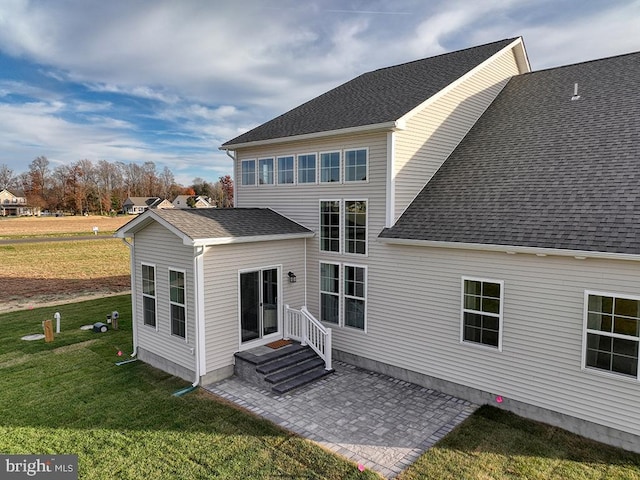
[170,81]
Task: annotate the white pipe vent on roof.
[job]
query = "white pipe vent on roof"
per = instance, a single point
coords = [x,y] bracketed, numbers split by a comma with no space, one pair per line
[575,92]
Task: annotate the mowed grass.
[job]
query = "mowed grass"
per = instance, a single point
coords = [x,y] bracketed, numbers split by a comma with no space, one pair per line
[494,444]
[35,227]
[69,397]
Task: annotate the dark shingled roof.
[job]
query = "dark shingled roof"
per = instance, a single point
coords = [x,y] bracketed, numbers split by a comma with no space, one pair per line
[203,223]
[381,96]
[541,170]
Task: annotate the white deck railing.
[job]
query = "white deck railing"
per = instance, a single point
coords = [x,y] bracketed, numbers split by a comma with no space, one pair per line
[300,325]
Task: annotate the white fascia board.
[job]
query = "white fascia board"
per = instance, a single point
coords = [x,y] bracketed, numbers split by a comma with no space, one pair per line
[511,249]
[255,238]
[517,43]
[146,218]
[309,136]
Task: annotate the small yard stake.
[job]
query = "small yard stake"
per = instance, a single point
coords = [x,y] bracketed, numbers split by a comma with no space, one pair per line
[48,330]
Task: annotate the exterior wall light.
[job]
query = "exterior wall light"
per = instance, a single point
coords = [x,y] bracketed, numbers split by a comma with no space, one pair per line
[292,277]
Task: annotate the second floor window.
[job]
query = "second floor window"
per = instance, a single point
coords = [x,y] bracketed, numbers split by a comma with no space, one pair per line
[248,174]
[285,170]
[307,168]
[355,165]
[330,167]
[330,226]
[265,171]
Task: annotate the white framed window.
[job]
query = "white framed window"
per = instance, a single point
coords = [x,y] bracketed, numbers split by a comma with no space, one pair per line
[177,303]
[149,301]
[248,173]
[343,295]
[285,170]
[355,226]
[482,303]
[355,305]
[330,167]
[265,171]
[307,168]
[330,226]
[611,334]
[356,166]
[330,293]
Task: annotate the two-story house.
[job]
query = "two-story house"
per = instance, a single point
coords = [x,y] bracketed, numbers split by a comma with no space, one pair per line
[459,222]
[13,206]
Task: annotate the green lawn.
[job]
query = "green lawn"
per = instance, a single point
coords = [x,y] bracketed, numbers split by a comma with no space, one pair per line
[124,423]
[69,397]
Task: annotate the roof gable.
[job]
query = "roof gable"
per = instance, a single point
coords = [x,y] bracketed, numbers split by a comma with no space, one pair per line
[377,97]
[542,170]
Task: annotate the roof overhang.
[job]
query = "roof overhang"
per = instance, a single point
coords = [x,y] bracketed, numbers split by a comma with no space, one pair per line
[376,127]
[512,249]
[145,219]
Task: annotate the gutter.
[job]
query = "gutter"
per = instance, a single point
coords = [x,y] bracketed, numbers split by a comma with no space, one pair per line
[134,324]
[512,249]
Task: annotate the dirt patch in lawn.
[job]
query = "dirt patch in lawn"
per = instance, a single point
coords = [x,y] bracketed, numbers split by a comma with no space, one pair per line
[36,275]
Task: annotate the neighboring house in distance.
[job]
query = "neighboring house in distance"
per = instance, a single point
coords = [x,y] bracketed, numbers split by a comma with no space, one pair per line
[14,206]
[137,205]
[460,222]
[186,201]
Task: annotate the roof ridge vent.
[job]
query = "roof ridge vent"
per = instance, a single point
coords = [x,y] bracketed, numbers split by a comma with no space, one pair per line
[575,93]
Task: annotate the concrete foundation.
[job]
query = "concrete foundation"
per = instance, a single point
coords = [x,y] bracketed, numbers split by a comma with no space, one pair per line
[594,431]
[165,365]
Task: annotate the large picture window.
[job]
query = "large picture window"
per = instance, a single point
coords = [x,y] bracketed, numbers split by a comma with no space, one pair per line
[177,302]
[612,333]
[248,176]
[482,312]
[330,226]
[330,167]
[307,168]
[149,295]
[355,165]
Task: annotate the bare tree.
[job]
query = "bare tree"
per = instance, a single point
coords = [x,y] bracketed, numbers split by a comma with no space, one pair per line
[7,179]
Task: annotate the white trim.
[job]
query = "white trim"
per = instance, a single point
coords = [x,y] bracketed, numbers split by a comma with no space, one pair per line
[155,296]
[392,125]
[344,166]
[256,238]
[511,249]
[500,315]
[390,180]
[183,305]
[586,330]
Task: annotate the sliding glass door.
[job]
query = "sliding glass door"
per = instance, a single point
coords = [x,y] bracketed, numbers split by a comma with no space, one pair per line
[259,303]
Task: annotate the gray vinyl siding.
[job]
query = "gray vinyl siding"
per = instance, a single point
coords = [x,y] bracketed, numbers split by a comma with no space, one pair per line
[221,266]
[433,133]
[414,318]
[157,246]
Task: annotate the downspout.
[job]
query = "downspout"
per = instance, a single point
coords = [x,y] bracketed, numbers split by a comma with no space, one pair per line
[134,323]
[233,157]
[198,280]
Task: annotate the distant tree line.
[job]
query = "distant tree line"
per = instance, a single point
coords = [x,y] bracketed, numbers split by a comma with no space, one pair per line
[102,187]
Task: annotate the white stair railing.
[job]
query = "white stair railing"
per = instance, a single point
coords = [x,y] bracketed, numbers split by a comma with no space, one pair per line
[302,326]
